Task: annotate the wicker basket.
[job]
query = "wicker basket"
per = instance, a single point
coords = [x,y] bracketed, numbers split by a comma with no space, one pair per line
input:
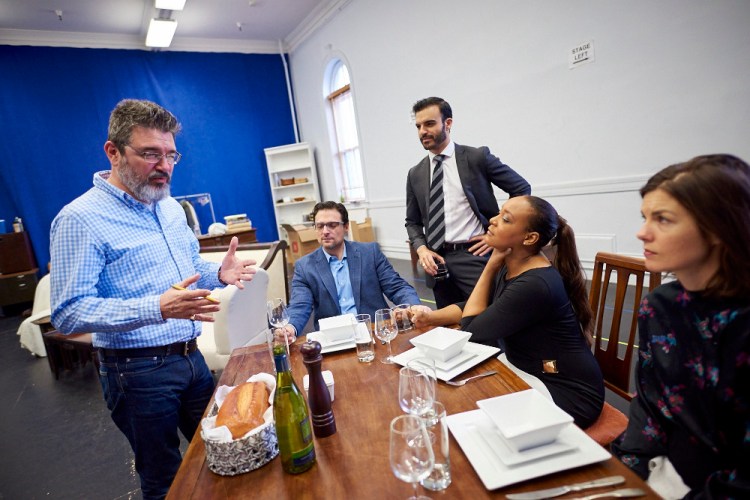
[241,455]
[287,182]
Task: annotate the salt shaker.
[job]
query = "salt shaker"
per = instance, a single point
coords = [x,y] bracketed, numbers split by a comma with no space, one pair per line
[318,397]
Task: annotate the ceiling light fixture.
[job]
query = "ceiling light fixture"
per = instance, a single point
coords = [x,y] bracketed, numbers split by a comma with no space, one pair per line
[170,4]
[160,32]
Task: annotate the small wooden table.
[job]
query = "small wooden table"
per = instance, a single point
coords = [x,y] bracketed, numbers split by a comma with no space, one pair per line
[354,462]
[68,351]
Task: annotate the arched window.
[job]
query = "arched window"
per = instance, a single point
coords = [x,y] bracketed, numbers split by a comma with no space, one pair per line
[345,140]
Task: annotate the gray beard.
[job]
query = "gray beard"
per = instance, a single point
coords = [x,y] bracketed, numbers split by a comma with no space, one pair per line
[142,190]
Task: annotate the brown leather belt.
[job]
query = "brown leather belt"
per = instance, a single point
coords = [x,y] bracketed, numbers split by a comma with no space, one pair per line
[181,348]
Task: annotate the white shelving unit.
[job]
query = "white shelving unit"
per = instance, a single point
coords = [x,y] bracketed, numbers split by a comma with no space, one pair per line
[291,202]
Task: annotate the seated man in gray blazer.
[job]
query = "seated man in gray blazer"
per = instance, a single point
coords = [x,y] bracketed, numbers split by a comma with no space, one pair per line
[342,276]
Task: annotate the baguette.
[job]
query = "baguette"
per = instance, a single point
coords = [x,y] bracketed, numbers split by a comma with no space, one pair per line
[243,408]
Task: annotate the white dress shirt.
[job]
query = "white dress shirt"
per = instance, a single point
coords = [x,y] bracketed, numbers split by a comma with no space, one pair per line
[461,224]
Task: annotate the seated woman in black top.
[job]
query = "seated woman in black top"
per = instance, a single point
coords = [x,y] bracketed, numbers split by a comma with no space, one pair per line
[540,312]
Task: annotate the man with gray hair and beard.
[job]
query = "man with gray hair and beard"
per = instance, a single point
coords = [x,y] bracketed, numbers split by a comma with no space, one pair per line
[125,267]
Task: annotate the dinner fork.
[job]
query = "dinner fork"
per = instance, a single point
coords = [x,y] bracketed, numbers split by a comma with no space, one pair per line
[622,493]
[459,383]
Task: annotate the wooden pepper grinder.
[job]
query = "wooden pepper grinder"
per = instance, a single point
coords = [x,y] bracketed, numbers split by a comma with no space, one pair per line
[318,397]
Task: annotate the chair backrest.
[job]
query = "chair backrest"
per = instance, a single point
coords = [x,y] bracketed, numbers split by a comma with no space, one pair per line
[243,314]
[41,295]
[270,256]
[614,349]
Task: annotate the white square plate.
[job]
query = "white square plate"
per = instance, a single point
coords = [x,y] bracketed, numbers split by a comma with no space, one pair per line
[328,347]
[509,456]
[472,355]
[475,433]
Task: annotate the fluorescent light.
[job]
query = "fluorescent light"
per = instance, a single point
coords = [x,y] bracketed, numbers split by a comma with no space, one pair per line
[160,32]
[170,4]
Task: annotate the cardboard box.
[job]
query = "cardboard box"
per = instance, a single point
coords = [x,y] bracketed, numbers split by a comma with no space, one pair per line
[361,231]
[302,241]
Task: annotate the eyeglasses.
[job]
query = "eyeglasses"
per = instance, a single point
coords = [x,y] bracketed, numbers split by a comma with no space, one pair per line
[330,225]
[154,158]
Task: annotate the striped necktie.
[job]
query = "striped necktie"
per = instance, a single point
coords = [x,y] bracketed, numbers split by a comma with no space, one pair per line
[436,220]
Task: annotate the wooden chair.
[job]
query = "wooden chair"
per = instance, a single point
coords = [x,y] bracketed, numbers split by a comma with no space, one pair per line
[612,422]
[617,369]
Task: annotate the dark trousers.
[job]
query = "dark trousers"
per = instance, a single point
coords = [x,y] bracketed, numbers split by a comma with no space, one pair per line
[464,269]
[150,399]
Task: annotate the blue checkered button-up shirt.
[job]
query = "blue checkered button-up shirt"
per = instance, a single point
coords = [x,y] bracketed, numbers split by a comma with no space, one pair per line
[112,258]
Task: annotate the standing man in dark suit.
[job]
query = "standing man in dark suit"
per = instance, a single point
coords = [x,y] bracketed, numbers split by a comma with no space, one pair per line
[449,201]
[342,276]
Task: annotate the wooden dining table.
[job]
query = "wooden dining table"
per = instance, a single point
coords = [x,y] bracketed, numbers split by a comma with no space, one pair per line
[354,462]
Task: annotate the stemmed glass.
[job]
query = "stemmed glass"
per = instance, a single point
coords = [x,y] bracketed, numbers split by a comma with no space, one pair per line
[412,458]
[416,389]
[386,330]
[278,317]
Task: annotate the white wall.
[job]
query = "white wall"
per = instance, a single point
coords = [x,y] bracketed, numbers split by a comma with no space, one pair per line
[671,80]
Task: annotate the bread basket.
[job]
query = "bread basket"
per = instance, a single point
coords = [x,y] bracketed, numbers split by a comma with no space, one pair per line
[229,457]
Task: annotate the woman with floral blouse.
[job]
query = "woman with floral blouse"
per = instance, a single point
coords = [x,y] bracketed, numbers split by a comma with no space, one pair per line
[689,429]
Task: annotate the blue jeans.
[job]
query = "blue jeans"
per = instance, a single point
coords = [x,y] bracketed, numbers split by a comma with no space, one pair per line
[149,399]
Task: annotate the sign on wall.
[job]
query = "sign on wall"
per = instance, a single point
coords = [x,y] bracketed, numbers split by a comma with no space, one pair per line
[581,54]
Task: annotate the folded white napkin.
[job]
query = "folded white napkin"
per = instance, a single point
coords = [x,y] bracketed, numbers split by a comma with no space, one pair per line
[665,480]
[222,434]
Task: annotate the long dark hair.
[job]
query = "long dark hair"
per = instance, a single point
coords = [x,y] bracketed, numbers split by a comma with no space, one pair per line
[555,230]
[715,189]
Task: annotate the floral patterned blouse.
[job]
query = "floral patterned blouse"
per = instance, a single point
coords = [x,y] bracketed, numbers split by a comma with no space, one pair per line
[693,384]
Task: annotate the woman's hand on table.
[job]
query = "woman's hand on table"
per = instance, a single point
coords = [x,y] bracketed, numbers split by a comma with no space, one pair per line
[421,316]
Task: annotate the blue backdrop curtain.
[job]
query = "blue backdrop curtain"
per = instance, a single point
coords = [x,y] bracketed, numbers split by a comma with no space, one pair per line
[54,110]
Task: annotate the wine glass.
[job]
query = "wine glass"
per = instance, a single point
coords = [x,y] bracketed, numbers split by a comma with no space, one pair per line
[386,330]
[416,389]
[412,458]
[278,317]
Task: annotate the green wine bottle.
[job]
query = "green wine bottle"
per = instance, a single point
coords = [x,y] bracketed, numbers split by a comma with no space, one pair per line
[292,418]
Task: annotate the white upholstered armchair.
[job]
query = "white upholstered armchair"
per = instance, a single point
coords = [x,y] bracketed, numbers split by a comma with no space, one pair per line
[240,322]
[31,334]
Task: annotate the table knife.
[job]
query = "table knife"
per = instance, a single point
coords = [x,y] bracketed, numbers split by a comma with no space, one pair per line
[561,490]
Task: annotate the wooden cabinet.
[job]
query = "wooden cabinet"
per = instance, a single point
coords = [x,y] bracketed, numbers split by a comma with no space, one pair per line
[16,288]
[294,183]
[247,236]
[17,269]
[15,253]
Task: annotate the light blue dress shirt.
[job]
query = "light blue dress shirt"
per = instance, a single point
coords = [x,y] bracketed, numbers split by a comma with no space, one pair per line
[340,271]
[112,259]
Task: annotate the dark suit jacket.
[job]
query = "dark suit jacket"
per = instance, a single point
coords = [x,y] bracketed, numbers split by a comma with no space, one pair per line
[371,275]
[479,170]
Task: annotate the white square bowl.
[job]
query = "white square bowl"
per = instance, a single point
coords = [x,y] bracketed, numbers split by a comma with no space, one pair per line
[441,343]
[525,419]
[338,328]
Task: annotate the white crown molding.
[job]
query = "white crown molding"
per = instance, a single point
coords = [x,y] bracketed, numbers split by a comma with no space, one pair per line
[39,38]
[317,18]
[224,45]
